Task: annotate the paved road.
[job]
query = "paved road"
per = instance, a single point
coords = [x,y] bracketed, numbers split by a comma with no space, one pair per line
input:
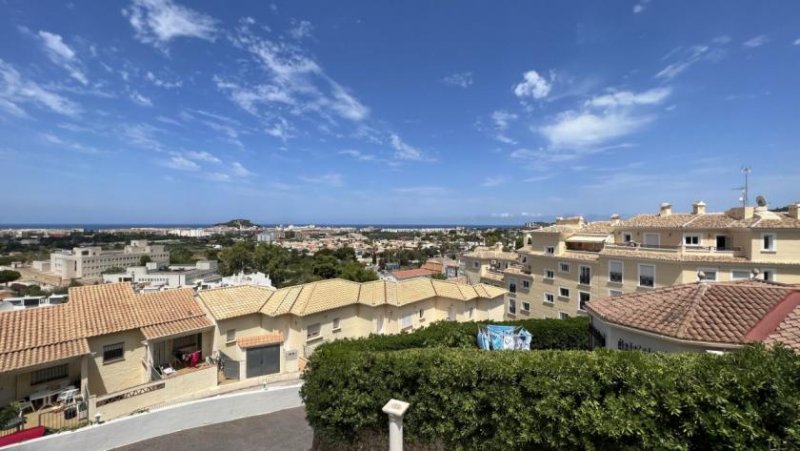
[284,430]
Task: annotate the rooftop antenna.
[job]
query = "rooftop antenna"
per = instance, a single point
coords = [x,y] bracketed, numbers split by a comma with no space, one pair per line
[745,191]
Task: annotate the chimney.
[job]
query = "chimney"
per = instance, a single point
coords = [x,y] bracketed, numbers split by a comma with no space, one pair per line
[666,209]
[615,219]
[794,210]
[699,208]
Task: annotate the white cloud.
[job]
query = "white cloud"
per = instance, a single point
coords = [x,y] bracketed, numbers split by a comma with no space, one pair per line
[140,99]
[162,83]
[533,85]
[332,179]
[422,190]
[756,41]
[405,151]
[640,7]
[14,90]
[142,135]
[62,55]
[491,182]
[501,120]
[157,22]
[357,154]
[628,98]
[239,170]
[797,41]
[301,29]
[686,58]
[588,129]
[460,79]
[202,156]
[180,163]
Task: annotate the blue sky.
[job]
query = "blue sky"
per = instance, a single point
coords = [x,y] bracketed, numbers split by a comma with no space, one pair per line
[392,112]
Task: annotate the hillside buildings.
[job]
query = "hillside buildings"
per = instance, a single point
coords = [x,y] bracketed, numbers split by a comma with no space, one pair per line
[698,317]
[562,267]
[173,276]
[90,262]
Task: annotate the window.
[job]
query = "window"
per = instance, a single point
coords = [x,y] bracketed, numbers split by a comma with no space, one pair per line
[647,276]
[512,307]
[562,315]
[691,240]
[470,312]
[563,267]
[550,250]
[421,314]
[526,306]
[652,239]
[49,374]
[113,352]
[563,292]
[768,242]
[614,293]
[476,265]
[585,276]
[615,272]
[336,324]
[406,321]
[524,259]
[710,273]
[583,298]
[512,286]
[768,274]
[530,241]
[627,237]
[740,274]
[549,274]
[526,284]
[549,298]
[312,331]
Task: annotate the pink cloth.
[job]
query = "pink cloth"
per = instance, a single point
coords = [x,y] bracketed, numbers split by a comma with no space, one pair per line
[194,359]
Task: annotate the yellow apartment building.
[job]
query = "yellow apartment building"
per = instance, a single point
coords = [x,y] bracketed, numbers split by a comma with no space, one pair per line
[563,266]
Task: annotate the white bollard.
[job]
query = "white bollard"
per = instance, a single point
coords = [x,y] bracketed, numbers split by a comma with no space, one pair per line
[395,409]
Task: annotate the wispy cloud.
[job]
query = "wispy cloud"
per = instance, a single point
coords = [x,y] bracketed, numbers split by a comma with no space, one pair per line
[179,162]
[142,135]
[62,55]
[203,156]
[460,79]
[491,182]
[152,78]
[501,121]
[15,90]
[422,190]
[301,29]
[684,58]
[156,22]
[532,86]
[641,6]
[358,155]
[239,170]
[404,151]
[140,99]
[333,179]
[70,145]
[756,41]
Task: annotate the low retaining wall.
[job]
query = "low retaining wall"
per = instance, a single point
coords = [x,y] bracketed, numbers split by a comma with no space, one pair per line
[135,428]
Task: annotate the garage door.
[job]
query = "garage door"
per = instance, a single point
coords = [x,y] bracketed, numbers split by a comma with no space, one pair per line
[264,360]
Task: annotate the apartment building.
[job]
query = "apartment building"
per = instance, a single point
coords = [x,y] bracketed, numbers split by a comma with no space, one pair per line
[262,331]
[174,276]
[90,262]
[486,264]
[562,267]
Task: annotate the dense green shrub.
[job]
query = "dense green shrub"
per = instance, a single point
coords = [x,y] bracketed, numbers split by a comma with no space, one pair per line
[472,399]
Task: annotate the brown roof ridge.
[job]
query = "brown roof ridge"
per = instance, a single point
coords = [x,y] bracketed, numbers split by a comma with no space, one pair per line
[691,309]
[769,323]
[691,220]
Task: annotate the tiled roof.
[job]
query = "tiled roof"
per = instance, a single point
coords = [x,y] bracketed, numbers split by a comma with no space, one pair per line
[329,294]
[411,273]
[47,334]
[760,220]
[707,312]
[260,340]
[490,253]
[657,221]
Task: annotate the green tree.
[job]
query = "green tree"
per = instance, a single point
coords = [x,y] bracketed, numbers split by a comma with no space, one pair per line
[181,256]
[7,276]
[34,290]
[345,254]
[237,257]
[438,276]
[145,259]
[357,273]
[325,266]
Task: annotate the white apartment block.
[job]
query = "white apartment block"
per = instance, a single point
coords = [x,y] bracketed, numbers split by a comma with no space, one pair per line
[561,267]
[173,276]
[90,262]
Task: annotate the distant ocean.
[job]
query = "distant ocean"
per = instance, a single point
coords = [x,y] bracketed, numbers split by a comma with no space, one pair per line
[91,227]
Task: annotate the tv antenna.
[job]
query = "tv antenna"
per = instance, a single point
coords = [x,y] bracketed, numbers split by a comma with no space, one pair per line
[745,199]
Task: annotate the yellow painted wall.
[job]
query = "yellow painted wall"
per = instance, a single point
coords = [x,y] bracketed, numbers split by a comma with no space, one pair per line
[114,376]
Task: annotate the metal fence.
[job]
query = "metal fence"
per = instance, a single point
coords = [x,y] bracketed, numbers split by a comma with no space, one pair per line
[69,416]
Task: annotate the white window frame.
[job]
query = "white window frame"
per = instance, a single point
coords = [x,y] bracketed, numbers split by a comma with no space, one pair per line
[567,296]
[774,242]
[614,293]
[628,235]
[563,315]
[512,283]
[580,270]
[407,320]
[622,271]
[526,306]
[550,250]
[549,301]
[309,331]
[526,284]
[562,264]
[470,312]
[774,274]
[714,270]
[579,299]
[728,239]
[422,314]
[550,271]
[746,271]
[512,306]
[639,279]
[697,236]
[336,325]
[230,336]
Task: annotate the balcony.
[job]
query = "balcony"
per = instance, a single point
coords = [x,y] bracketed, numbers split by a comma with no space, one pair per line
[679,250]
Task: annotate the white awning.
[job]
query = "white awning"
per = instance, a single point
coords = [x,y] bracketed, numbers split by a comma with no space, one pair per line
[587,239]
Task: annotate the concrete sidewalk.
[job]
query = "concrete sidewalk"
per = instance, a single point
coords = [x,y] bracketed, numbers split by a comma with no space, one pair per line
[284,430]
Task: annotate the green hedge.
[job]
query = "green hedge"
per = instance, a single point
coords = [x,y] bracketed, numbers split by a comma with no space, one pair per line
[473,399]
[572,333]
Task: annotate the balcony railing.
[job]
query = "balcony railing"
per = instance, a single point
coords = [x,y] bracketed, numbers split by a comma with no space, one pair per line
[730,250]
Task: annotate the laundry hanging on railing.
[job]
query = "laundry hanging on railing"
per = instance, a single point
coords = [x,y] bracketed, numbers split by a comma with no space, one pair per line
[504,337]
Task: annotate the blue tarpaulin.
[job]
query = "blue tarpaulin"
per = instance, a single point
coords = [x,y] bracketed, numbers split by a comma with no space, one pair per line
[495,337]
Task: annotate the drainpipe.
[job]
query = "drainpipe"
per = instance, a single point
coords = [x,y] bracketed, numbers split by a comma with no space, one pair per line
[396,410]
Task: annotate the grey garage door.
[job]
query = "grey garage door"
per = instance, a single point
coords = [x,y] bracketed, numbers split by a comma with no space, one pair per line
[262,361]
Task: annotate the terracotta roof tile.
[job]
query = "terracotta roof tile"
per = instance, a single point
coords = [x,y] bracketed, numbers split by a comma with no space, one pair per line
[231,302]
[411,273]
[176,327]
[260,340]
[43,354]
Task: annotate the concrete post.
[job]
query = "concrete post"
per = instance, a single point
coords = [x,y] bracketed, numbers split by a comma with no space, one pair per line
[395,409]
